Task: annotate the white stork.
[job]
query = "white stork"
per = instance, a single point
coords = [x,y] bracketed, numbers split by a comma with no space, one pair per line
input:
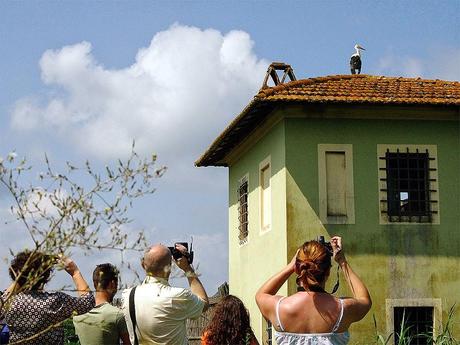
[355,60]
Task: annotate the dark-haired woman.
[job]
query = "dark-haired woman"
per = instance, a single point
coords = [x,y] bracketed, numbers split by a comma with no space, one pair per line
[313,316]
[229,325]
[33,315]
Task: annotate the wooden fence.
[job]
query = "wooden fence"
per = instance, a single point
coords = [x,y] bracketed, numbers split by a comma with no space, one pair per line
[195,327]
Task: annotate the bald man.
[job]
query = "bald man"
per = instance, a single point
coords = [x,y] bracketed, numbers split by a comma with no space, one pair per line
[161,310]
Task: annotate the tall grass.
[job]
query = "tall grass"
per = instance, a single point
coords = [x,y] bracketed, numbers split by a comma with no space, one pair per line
[444,336]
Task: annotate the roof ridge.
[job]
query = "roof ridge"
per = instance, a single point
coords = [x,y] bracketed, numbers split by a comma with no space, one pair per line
[331,82]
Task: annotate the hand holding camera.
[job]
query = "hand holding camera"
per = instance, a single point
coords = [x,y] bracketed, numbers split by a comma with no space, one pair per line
[182,256]
[337,249]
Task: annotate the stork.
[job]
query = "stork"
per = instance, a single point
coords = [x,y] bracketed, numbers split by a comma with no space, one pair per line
[355,60]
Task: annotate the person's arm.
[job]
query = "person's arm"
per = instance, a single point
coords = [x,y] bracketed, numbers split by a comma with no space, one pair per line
[71,268]
[125,338]
[265,296]
[361,302]
[254,341]
[195,284]
[122,328]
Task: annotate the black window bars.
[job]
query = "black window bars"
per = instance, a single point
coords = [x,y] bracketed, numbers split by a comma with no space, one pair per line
[417,323]
[408,186]
[243,211]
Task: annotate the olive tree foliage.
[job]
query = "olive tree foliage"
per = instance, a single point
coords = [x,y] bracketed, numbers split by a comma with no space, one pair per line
[80,207]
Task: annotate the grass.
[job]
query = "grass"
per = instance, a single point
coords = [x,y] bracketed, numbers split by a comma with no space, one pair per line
[405,337]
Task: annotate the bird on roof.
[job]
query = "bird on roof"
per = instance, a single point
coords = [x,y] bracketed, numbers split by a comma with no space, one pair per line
[355,60]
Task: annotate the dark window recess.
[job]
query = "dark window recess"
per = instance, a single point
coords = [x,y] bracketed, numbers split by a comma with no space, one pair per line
[417,323]
[408,186]
[268,331]
[243,211]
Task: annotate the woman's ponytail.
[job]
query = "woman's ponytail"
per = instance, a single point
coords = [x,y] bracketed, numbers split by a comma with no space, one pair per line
[312,266]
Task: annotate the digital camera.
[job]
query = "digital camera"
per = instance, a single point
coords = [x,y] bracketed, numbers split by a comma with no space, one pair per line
[177,254]
[328,245]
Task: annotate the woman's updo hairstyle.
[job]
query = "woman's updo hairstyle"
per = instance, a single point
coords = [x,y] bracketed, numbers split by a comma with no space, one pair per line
[312,266]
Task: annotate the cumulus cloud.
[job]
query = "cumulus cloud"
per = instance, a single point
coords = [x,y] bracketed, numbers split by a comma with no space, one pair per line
[174,99]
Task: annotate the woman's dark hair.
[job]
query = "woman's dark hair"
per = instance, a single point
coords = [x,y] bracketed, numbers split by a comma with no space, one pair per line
[230,323]
[104,274]
[312,266]
[31,269]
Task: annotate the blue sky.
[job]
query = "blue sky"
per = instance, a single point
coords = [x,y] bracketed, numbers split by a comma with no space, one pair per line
[81,79]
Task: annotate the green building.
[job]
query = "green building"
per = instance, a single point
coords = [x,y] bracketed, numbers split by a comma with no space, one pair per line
[373,159]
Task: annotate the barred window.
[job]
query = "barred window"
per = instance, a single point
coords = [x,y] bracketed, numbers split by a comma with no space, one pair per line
[415,323]
[408,185]
[243,210]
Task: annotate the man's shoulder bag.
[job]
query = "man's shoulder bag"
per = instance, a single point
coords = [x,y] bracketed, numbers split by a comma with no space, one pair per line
[132,313]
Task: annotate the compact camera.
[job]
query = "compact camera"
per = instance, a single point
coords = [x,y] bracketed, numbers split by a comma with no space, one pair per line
[176,254]
[328,245]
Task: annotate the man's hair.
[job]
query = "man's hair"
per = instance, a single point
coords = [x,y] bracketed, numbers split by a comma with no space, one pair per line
[104,274]
[157,259]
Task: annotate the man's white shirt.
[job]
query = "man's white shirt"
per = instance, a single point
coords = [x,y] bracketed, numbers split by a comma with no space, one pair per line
[161,312]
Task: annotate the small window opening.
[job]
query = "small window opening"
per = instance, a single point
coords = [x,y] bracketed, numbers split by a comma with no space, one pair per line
[243,211]
[414,324]
[408,186]
[265,197]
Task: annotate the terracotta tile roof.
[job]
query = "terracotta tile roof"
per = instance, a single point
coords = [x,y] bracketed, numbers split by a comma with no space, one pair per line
[365,89]
[343,89]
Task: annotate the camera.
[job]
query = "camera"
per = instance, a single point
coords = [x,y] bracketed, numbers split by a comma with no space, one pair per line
[177,254]
[328,245]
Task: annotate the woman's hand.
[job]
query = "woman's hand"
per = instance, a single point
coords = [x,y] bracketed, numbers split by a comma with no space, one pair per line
[71,268]
[291,264]
[69,265]
[337,250]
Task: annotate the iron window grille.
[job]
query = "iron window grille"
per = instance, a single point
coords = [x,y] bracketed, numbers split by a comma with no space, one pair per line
[243,211]
[408,186]
[417,323]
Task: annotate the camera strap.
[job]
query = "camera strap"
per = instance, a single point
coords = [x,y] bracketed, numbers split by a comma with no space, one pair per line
[132,313]
[336,286]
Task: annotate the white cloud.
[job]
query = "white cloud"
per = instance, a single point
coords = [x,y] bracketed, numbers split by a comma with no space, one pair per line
[439,64]
[180,92]
[394,65]
[447,65]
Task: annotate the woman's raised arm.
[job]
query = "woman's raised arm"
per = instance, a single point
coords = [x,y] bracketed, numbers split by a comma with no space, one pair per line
[265,296]
[361,302]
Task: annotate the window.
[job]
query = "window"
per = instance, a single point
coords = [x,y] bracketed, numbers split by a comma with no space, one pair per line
[243,210]
[267,332]
[421,316]
[417,323]
[335,177]
[265,195]
[408,179]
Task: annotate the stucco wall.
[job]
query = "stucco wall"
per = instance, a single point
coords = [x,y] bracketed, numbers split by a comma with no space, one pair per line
[414,261]
[248,263]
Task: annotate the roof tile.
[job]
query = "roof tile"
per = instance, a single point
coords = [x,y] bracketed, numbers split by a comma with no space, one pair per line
[365,88]
[352,89]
